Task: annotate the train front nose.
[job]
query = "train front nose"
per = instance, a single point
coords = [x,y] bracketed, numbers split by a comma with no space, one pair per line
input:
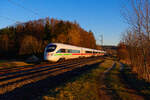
[51,57]
[48,55]
[49,51]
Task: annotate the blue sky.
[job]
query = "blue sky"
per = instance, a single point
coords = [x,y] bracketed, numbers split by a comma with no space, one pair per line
[100,16]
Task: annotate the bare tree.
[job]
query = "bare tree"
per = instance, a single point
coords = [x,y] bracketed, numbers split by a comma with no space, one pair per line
[137,38]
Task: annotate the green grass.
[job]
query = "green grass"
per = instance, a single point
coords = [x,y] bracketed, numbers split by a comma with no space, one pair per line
[84,87]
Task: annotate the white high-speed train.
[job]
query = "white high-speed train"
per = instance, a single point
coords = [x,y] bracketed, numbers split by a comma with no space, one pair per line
[58,51]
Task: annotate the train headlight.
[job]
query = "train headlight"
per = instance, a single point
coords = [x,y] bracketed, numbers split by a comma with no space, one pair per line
[50,54]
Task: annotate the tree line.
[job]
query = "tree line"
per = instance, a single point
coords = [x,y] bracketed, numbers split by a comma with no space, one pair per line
[134,48]
[32,37]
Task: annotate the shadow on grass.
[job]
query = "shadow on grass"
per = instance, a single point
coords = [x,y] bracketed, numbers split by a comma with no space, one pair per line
[35,90]
[132,82]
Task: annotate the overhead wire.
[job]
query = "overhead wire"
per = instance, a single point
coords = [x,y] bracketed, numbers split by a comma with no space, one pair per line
[27,9]
[4,17]
[17,4]
[7,18]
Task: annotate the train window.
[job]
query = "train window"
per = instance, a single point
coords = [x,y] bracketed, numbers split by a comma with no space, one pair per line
[78,51]
[88,51]
[61,51]
[73,51]
[69,51]
[51,48]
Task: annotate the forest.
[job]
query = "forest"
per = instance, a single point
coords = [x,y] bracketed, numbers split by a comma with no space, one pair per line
[31,37]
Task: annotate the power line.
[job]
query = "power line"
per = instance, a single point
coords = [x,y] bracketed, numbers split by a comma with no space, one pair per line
[35,13]
[7,18]
[13,20]
[10,19]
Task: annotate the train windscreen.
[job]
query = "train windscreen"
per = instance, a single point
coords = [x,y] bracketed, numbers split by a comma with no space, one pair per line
[51,48]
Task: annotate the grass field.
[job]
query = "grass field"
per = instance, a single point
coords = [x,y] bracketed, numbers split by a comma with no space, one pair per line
[84,87]
[116,85]
[94,82]
[124,85]
[140,86]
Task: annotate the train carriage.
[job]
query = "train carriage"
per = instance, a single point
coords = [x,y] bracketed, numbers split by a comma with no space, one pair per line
[56,51]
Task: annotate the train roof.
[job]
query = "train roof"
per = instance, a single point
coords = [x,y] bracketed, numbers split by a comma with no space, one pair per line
[65,45]
[75,47]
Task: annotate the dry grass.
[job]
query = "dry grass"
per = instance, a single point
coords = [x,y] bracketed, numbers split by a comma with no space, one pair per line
[84,87]
[141,86]
[117,88]
[36,75]
[89,86]
[9,64]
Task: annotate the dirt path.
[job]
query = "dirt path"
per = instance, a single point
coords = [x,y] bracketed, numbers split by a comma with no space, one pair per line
[103,92]
[113,86]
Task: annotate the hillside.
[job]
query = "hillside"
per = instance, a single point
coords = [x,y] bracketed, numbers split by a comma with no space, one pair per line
[31,37]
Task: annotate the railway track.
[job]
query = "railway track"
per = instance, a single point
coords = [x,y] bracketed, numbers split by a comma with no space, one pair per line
[15,77]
